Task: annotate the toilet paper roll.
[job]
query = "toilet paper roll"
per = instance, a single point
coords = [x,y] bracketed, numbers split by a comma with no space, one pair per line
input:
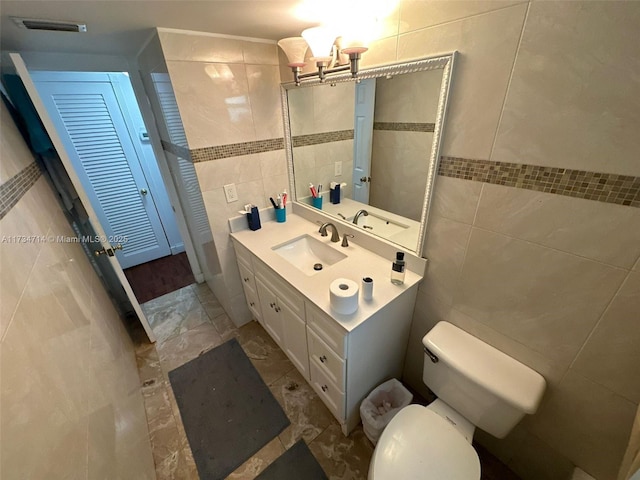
[343,296]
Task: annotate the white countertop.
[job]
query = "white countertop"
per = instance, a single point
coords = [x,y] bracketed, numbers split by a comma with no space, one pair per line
[358,264]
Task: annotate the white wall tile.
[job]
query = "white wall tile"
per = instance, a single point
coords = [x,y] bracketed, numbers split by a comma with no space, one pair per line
[200,48]
[213,99]
[260,53]
[611,356]
[16,261]
[381,52]
[273,163]
[543,298]
[13,150]
[602,231]
[264,93]
[455,199]
[587,422]
[536,460]
[574,100]
[487,45]
[417,14]
[217,173]
[445,247]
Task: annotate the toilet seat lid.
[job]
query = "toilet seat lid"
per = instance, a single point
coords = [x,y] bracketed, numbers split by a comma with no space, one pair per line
[419,444]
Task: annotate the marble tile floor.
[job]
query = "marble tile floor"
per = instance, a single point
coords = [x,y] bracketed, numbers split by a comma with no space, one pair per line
[189,322]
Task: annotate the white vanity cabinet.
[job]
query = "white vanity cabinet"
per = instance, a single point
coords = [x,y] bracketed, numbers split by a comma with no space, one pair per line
[283,315]
[245,265]
[341,361]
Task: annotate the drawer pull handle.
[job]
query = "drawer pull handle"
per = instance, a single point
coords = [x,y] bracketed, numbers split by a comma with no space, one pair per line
[324,388]
[278,309]
[272,305]
[246,279]
[323,358]
[252,303]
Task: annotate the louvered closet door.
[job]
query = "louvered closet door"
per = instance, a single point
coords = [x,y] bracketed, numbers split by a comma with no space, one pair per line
[90,122]
[191,194]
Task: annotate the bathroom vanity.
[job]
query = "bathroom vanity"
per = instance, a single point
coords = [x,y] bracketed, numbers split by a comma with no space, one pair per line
[342,356]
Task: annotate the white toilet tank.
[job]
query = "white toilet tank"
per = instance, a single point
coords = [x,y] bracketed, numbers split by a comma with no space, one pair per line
[489,388]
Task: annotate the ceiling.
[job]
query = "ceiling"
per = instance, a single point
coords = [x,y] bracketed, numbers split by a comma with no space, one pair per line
[120,27]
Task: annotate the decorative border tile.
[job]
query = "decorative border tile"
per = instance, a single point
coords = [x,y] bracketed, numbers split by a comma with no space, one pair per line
[14,189]
[601,187]
[236,149]
[404,127]
[177,150]
[325,137]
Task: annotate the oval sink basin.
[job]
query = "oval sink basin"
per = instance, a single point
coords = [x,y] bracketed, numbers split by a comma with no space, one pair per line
[305,252]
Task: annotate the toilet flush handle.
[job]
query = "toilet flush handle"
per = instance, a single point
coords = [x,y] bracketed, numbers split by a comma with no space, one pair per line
[431,355]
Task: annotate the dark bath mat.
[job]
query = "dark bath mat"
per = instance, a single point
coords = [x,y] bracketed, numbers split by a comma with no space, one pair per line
[297,463]
[227,410]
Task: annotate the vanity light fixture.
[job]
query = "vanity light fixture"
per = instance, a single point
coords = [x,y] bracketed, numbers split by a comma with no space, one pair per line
[326,50]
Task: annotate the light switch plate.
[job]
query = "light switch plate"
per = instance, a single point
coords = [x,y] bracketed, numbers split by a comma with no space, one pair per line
[337,167]
[230,192]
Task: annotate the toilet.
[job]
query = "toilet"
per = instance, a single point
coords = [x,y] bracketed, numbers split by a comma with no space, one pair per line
[477,386]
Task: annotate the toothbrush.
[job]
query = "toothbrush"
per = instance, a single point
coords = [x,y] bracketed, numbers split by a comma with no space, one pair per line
[313,190]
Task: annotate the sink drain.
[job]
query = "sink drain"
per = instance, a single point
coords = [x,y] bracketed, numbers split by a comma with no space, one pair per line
[317,266]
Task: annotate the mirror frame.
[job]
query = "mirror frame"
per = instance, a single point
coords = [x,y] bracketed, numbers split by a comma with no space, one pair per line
[444,62]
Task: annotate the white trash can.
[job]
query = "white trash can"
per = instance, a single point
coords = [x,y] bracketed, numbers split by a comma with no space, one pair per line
[381,405]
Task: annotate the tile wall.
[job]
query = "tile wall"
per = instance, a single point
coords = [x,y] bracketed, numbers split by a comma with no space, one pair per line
[71,403]
[159,89]
[552,279]
[228,94]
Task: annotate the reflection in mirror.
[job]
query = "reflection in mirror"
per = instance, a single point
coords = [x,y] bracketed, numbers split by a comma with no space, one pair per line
[377,138]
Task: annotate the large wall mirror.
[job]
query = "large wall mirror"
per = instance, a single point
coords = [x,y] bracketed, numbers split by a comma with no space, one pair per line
[378,138]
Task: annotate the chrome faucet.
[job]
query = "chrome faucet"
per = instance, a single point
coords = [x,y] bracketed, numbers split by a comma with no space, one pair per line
[358,213]
[335,236]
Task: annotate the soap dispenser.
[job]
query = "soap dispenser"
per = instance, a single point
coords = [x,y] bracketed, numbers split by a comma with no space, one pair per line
[397,269]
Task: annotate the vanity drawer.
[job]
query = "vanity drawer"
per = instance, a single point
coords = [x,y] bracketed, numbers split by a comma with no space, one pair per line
[333,398]
[248,280]
[283,290]
[326,359]
[327,329]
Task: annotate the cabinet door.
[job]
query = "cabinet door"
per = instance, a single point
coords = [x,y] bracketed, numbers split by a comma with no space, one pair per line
[254,304]
[270,316]
[295,339]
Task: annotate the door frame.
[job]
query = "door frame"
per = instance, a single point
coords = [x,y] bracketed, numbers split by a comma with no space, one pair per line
[23,73]
[155,205]
[61,62]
